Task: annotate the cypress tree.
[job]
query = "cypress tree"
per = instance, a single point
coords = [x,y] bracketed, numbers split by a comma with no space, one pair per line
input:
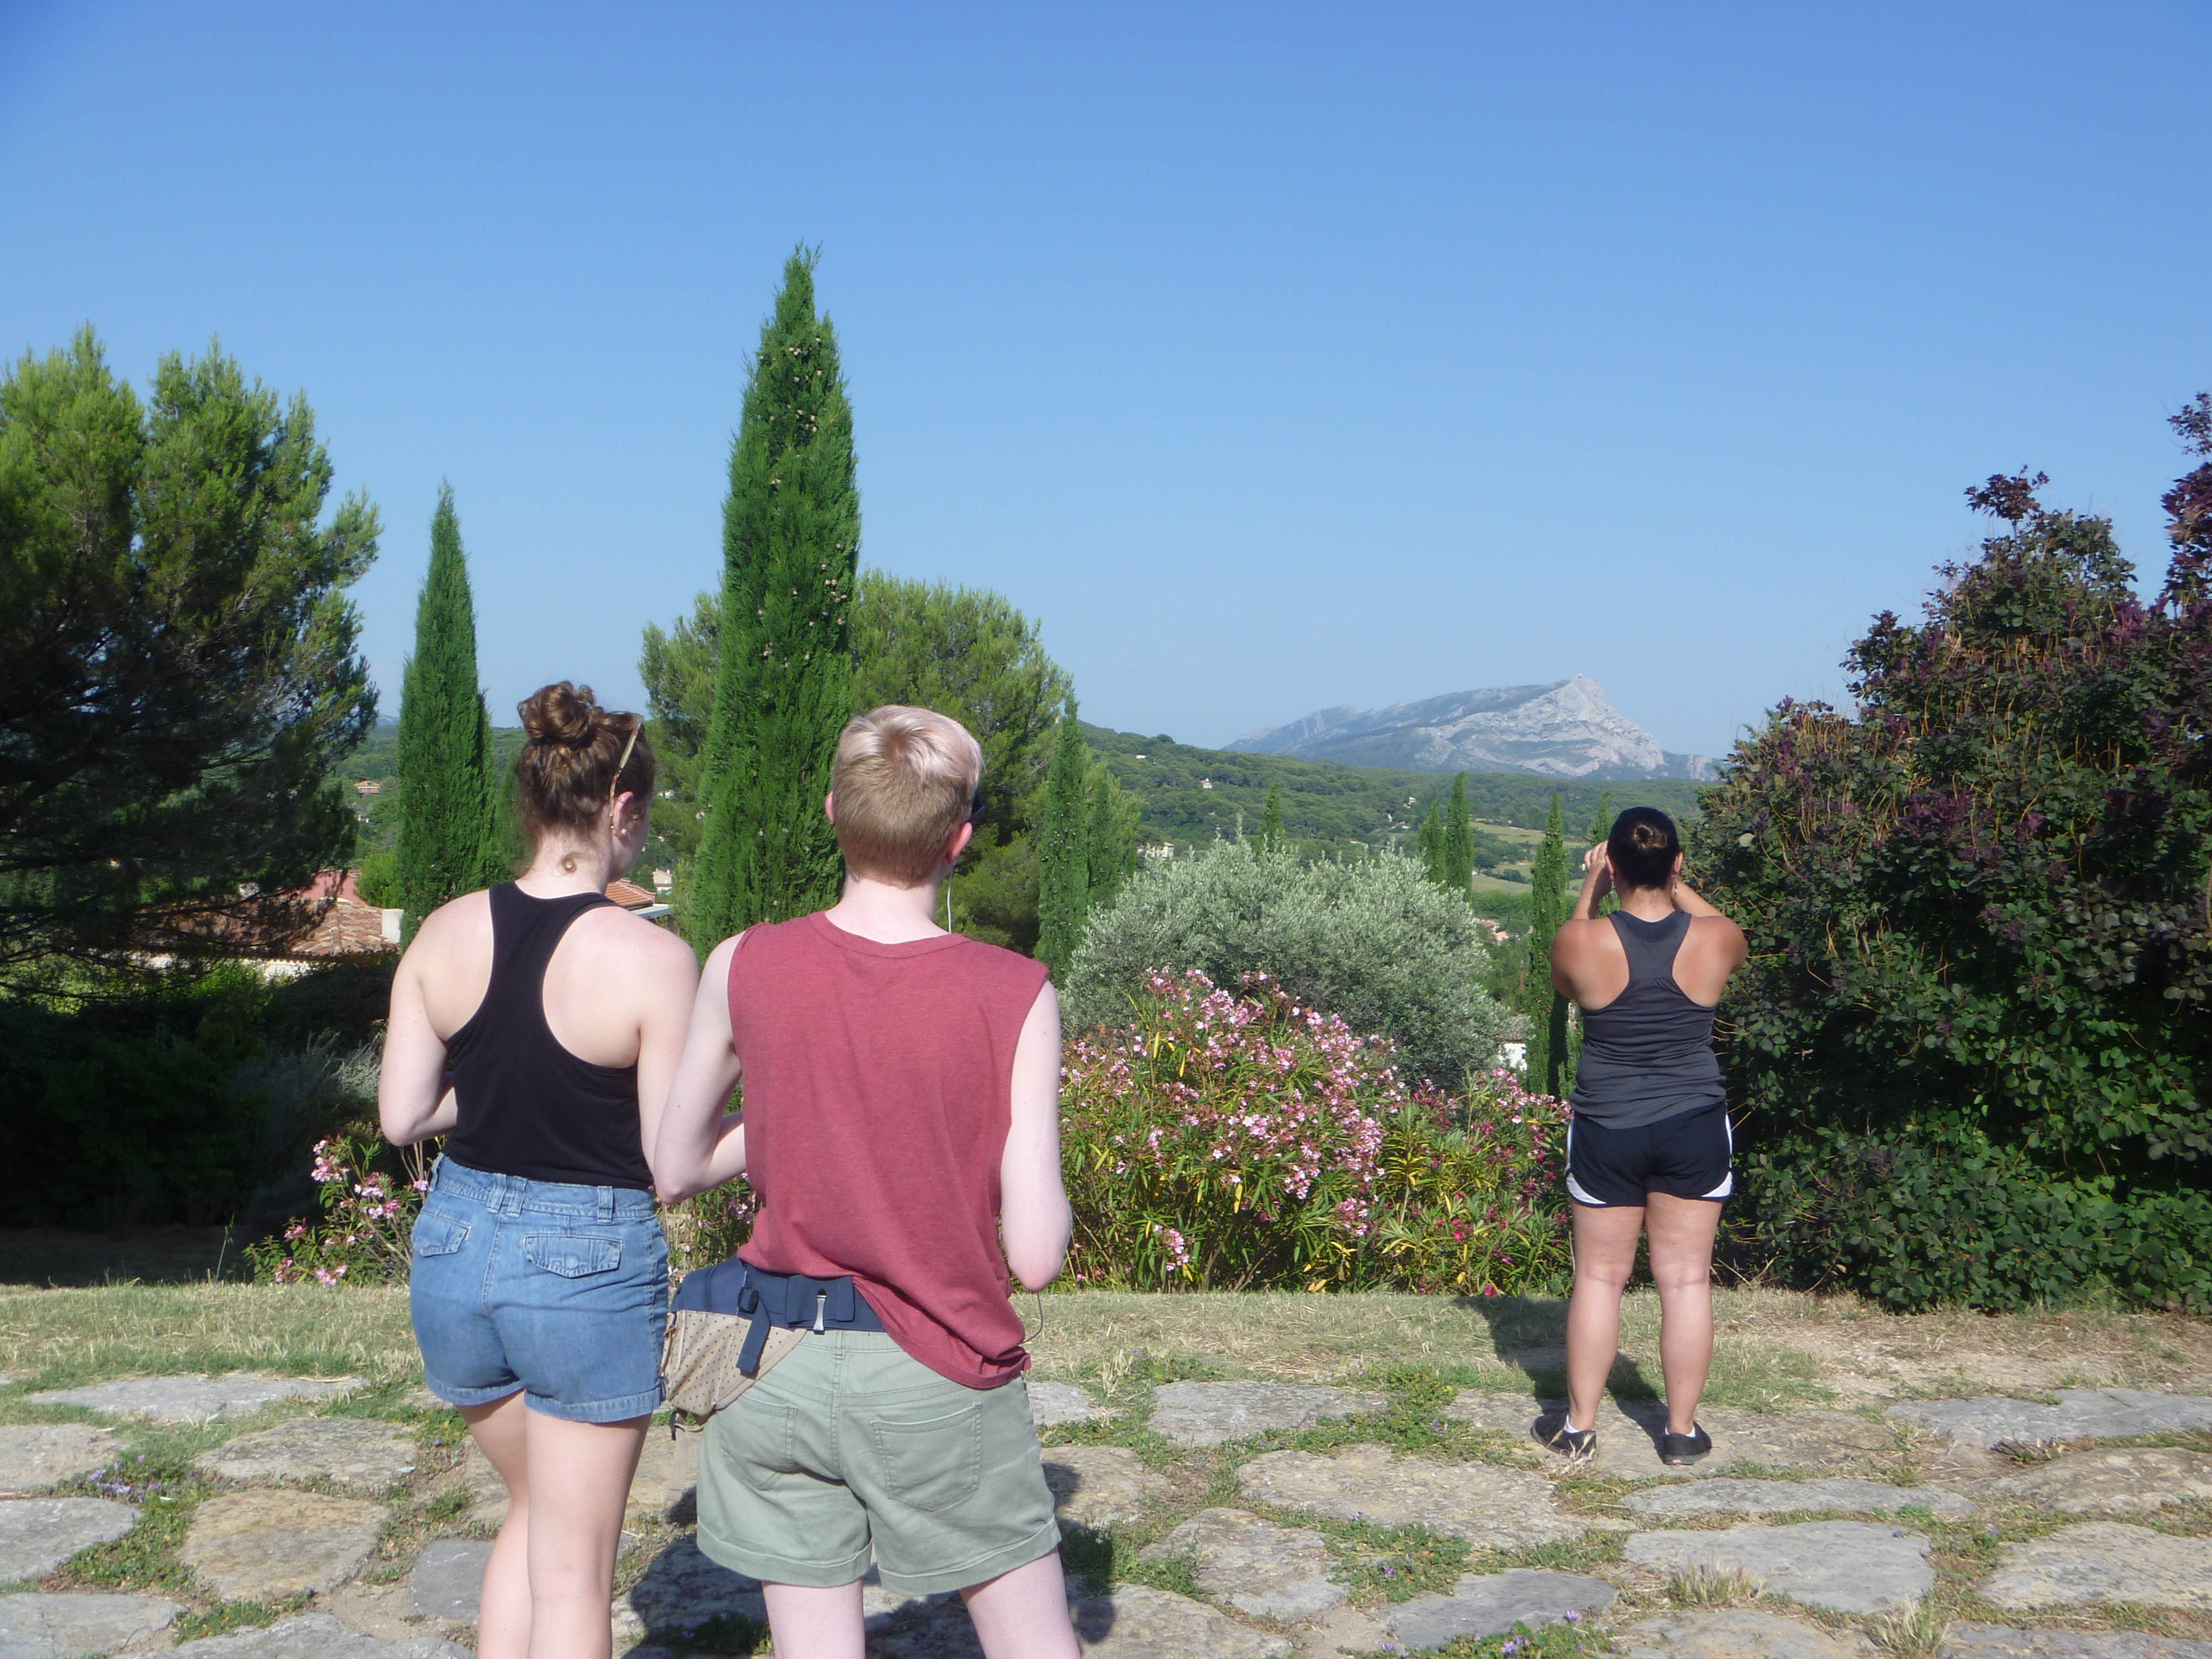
[1601,827]
[1457,847]
[1272,836]
[1430,841]
[448,831]
[1108,850]
[1063,862]
[1545,1008]
[790,534]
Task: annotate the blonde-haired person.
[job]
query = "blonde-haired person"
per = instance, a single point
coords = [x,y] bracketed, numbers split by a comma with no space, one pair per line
[1649,1150]
[902,1127]
[537,1026]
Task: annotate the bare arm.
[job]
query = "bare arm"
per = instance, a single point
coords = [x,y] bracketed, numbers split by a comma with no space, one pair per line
[1686,900]
[1597,882]
[668,979]
[1034,1218]
[700,1145]
[413,1099]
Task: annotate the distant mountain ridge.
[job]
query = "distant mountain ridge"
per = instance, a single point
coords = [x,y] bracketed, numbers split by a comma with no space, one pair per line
[1563,730]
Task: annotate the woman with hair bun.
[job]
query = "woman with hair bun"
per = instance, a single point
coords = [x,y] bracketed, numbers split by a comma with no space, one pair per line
[537,1026]
[1648,1150]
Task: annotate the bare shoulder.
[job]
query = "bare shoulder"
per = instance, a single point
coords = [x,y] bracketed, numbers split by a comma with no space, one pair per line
[635,942]
[1581,935]
[457,920]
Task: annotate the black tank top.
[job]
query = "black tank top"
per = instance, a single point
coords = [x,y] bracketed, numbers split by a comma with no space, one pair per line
[527,1106]
[1648,1054]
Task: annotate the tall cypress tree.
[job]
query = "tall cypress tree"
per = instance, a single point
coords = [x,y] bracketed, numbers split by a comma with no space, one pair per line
[1600,826]
[1430,840]
[791,537]
[1107,849]
[448,831]
[1545,1008]
[1456,848]
[1063,861]
[1273,839]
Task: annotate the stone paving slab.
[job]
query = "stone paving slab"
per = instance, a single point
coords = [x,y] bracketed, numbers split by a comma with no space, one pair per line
[353,1451]
[2113,1480]
[1492,1507]
[1132,1622]
[1739,1633]
[1841,1493]
[1095,1487]
[36,1455]
[2003,1641]
[271,1543]
[316,1636]
[1491,1604]
[1628,1437]
[64,1626]
[37,1535]
[2079,1414]
[196,1398]
[1256,1567]
[681,1590]
[2096,1561]
[1207,1413]
[487,1491]
[1846,1566]
[1052,1403]
[447,1581]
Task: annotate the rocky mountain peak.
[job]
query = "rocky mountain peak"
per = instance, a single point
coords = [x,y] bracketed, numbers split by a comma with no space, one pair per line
[1564,730]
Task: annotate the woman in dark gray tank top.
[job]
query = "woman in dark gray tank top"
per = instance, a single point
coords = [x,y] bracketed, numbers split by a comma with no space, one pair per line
[1648,1148]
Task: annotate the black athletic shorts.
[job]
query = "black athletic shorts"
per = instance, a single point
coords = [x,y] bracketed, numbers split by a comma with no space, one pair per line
[1685,1157]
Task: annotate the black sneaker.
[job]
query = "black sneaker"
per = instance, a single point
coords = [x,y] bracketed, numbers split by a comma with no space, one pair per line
[1677,1449]
[1576,1445]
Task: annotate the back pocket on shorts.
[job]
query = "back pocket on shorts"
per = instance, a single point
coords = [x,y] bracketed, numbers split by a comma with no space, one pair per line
[572,1255]
[933,1464]
[434,1235]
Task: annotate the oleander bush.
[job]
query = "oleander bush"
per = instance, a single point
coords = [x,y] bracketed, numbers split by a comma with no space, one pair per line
[1241,1142]
[1972,1049]
[368,1227]
[1372,941]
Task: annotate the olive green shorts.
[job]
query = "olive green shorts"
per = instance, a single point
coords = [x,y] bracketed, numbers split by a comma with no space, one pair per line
[851,1445]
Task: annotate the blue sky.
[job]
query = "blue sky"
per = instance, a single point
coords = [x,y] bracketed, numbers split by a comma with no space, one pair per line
[1274,357]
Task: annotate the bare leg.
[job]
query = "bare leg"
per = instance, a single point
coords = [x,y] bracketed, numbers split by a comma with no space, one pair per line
[503,1622]
[579,1476]
[1605,1254]
[812,1622]
[1024,1613]
[1682,1232]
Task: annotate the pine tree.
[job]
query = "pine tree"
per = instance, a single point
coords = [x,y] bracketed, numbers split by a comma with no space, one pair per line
[1545,1008]
[448,830]
[1109,849]
[1273,839]
[1430,840]
[1063,862]
[791,532]
[1455,851]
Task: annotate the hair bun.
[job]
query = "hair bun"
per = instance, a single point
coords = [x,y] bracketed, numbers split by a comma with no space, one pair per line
[561,712]
[1649,837]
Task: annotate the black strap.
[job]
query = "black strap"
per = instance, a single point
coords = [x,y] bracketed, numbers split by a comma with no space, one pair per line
[771,1300]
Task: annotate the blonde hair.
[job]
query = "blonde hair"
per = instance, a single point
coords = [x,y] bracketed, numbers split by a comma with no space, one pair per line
[903,780]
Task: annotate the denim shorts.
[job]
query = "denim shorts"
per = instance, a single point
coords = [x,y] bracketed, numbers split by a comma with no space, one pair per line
[561,1291]
[851,1445]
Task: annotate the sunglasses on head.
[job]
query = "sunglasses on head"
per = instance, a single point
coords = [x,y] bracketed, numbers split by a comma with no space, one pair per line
[975,806]
[614,789]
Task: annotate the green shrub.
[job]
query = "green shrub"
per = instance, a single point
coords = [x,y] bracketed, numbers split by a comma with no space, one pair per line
[146,1130]
[1247,1142]
[1972,1038]
[1372,942]
[368,1228]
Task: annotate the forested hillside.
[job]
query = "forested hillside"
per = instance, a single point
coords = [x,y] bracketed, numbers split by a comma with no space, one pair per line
[1188,794]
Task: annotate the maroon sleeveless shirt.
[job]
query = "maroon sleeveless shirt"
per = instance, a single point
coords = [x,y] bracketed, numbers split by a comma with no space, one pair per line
[878,1082]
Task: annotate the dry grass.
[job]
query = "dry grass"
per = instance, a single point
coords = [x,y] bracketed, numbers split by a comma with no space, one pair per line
[1773,1348]
[64,1337]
